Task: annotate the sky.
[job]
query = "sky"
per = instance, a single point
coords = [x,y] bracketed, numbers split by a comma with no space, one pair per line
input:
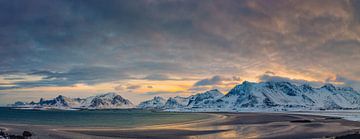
[146,48]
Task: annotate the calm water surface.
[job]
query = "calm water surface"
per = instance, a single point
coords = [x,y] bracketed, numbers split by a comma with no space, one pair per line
[95,118]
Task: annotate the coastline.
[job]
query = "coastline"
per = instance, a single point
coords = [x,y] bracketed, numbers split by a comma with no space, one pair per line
[218,125]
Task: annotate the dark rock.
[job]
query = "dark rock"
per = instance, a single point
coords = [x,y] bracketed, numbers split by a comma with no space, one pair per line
[333,118]
[349,136]
[27,134]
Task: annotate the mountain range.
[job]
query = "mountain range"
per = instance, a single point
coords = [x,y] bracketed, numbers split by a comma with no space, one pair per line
[248,96]
[265,96]
[103,101]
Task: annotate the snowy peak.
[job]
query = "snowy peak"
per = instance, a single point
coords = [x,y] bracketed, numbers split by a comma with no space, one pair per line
[155,103]
[107,101]
[306,88]
[243,88]
[59,101]
[176,102]
[203,99]
[329,87]
[215,93]
[158,98]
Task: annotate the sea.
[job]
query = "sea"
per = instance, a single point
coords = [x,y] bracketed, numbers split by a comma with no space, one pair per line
[95,118]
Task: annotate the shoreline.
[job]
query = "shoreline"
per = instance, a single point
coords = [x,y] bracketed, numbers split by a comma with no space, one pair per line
[218,125]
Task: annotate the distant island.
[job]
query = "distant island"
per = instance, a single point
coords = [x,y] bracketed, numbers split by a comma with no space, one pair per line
[248,96]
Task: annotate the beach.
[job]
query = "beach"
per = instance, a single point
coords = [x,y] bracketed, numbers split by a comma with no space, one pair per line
[218,125]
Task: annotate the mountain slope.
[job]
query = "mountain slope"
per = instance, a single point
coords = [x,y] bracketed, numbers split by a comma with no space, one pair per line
[176,102]
[155,103]
[204,100]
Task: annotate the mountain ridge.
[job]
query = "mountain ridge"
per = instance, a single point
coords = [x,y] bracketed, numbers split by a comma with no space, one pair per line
[248,96]
[102,101]
[271,96]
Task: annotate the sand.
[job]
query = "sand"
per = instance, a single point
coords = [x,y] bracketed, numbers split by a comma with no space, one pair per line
[220,125]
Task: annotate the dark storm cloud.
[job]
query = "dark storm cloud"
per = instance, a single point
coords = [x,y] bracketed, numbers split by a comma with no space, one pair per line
[345,81]
[212,81]
[272,78]
[8,72]
[89,75]
[337,79]
[7,87]
[76,33]
[218,80]
[86,75]
[14,78]
[89,41]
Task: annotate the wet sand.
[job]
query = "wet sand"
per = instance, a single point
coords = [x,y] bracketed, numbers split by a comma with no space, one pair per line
[220,125]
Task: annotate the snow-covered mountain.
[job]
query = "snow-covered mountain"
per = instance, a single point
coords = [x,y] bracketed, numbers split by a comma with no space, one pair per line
[106,101]
[268,96]
[264,96]
[176,102]
[60,102]
[204,100]
[201,100]
[280,96]
[248,96]
[103,101]
[155,103]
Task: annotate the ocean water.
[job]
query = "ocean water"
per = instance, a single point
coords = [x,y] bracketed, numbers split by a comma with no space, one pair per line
[95,118]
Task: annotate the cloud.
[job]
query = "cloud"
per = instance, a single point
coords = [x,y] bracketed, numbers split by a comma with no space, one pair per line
[144,38]
[345,81]
[236,78]
[218,80]
[160,93]
[221,83]
[119,88]
[212,81]
[272,78]
[5,84]
[133,87]
[157,77]
[14,78]
[98,42]
[7,72]
[198,89]
[8,87]
[86,75]
[270,73]
[338,80]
